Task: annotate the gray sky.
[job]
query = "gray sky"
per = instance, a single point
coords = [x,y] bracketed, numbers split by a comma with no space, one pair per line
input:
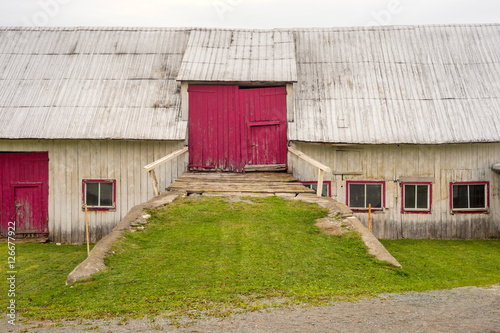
[245,13]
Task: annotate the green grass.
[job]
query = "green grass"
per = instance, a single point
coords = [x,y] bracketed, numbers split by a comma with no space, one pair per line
[441,264]
[214,257]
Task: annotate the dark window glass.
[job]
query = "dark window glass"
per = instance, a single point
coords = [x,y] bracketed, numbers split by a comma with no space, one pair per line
[92,194]
[416,196]
[357,195]
[361,195]
[374,195]
[99,194]
[422,196]
[477,196]
[472,196]
[324,193]
[409,196]
[460,196]
[106,194]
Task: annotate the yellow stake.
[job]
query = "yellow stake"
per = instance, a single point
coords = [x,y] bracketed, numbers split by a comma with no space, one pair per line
[370,217]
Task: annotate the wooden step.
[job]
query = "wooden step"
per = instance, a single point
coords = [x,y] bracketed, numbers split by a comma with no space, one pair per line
[246,188]
[275,175]
[221,182]
[234,180]
[265,167]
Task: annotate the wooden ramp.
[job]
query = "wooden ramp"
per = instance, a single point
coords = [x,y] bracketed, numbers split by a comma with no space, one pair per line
[224,182]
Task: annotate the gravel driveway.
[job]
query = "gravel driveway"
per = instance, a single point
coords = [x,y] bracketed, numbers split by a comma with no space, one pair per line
[467,309]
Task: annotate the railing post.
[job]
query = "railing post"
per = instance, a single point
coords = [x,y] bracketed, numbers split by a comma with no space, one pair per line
[154,181]
[321,167]
[150,168]
[319,190]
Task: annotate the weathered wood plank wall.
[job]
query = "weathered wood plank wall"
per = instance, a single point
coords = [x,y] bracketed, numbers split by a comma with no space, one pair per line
[443,163]
[70,161]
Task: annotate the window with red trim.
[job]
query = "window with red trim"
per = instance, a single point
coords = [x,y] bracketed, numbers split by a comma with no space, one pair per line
[469,197]
[360,194]
[99,194]
[326,192]
[417,197]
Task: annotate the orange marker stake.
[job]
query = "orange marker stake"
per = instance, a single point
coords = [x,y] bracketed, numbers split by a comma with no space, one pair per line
[370,217]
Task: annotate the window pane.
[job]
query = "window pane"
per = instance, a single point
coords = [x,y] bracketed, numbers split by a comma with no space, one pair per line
[374,195]
[324,193]
[106,194]
[409,196]
[92,194]
[477,196]
[460,196]
[357,195]
[422,196]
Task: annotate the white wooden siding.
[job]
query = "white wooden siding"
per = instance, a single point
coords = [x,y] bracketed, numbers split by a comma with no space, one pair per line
[70,161]
[389,163]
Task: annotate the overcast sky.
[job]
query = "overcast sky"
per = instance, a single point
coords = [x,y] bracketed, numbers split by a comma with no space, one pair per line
[245,13]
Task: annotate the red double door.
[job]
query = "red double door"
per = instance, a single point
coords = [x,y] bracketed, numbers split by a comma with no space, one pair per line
[24,192]
[231,127]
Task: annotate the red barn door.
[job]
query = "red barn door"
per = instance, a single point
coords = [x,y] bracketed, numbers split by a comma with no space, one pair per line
[24,192]
[265,117]
[214,128]
[231,127]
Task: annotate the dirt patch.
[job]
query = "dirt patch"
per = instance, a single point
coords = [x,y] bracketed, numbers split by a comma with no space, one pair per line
[26,240]
[332,226]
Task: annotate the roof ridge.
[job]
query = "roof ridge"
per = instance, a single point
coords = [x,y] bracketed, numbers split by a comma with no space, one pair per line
[291,29]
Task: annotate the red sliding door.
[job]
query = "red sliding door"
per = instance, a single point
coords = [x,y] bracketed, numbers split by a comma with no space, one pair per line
[231,127]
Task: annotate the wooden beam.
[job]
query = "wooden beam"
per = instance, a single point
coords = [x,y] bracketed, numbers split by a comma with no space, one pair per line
[346,173]
[319,189]
[154,181]
[184,101]
[417,179]
[265,167]
[309,159]
[289,102]
[164,159]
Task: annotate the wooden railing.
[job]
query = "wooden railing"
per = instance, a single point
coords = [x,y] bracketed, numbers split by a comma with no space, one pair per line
[151,167]
[321,167]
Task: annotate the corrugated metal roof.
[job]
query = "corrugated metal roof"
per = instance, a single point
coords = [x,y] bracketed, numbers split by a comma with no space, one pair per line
[239,55]
[91,83]
[102,123]
[376,85]
[383,85]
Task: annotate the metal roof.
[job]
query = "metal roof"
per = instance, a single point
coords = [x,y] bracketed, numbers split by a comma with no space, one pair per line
[400,84]
[239,55]
[368,85]
[91,83]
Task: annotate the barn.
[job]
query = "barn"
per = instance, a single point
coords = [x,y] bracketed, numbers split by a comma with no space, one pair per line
[406,117]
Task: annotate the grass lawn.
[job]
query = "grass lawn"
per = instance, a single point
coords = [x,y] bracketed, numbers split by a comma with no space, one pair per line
[208,255]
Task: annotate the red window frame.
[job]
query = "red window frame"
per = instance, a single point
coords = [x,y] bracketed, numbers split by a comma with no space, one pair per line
[365,210]
[415,210]
[324,182]
[99,208]
[471,210]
